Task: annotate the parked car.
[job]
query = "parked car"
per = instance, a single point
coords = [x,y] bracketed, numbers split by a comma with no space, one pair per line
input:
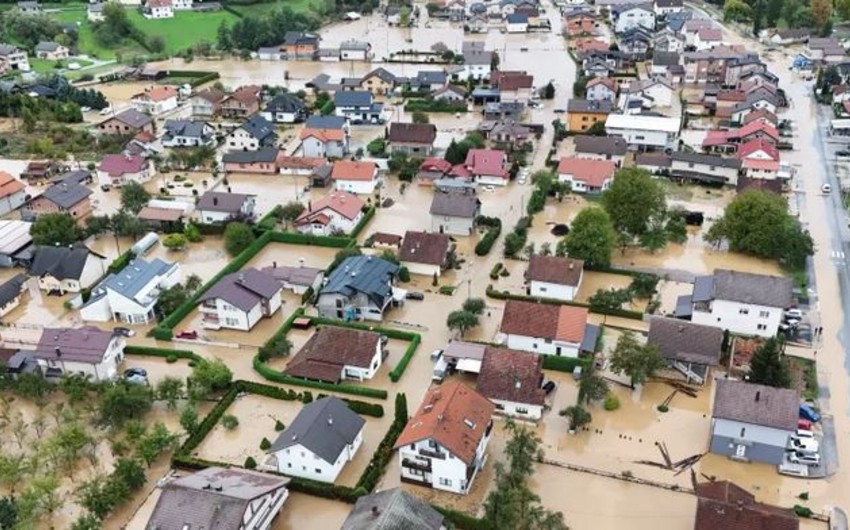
[124,332]
[804,425]
[549,387]
[436,354]
[798,458]
[806,446]
[136,376]
[188,334]
[794,313]
[415,295]
[805,433]
[826,188]
[809,413]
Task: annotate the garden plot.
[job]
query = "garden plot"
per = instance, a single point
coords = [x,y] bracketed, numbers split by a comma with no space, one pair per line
[257,416]
[272,190]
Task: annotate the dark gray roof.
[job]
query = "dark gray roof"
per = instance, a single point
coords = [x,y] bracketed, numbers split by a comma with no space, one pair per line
[11,289]
[590,339]
[703,289]
[653,159]
[325,122]
[684,341]
[60,262]
[669,3]
[267,154]
[244,289]
[46,46]
[87,344]
[455,204]
[601,145]
[665,58]
[748,288]
[517,18]
[684,306]
[133,118]
[219,201]
[430,77]
[65,194]
[708,160]
[583,105]
[188,128]
[325,427]
[74,177]
[213,499]
[393,509]
[258,127]
[353,98]
[383,74]
[756,404]
[7,49]
[135,276]
[362,274]
[300,37]
[285,102]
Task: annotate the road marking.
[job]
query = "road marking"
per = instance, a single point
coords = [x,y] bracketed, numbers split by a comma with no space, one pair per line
[837,255]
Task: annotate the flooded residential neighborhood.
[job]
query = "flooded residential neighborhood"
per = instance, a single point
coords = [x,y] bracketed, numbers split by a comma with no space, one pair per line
[382,262]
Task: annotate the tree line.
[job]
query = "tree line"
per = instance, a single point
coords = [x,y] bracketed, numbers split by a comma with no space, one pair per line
[815,15]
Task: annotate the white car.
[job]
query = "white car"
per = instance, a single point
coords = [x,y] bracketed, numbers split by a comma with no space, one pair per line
[806,446]
[826,188]
[794,313]
[812,460]
[803,433]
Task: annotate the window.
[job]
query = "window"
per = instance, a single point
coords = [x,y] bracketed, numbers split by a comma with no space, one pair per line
[761,327]
[743,311]
[743,432]
[542,289]
[319,471]
[522,410]
[639,137]
[289,464]
[764,314]
[413,446]
[445,482]
[534,345]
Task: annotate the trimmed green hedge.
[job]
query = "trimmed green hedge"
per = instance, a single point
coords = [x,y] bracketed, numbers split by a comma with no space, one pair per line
[279,377]
[120,262]
[308,295]
[504,295]
[165,353]
[269,221]
[381,457]
[295,238]
[368,214]
[399,369]
[376,410]
[210,229]
[566,364]
[434,105]
[494,224]
[199,77]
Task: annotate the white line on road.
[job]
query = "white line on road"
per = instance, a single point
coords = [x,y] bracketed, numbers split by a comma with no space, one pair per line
[837,255]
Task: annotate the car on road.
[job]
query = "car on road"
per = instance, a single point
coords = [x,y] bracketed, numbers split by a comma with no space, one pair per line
[807,412]
[436,354]
[521,180]
[826,188]
[136,376]
[414,295]
[559,111]
[124,332]
[794,313]
[188,334]
[799,458]
[549,387]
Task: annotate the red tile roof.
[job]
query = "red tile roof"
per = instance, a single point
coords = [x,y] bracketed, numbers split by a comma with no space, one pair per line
[758,126]
[454,416]
[753,146]
[544,321]
[760,114]
[9,185]
[486,162]
[424,247]
[592,172]
[158,92]
[350,170]
[323,135]
[725,506]
[511,375]
[299,162]
[554,269]
[604,81]
[330,349]
[710,34]
[341,202]
[764,165]
[117,165]
[435,164]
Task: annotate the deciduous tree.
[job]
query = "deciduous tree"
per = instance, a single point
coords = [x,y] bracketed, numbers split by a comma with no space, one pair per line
[592,387]
[591,238]
[237,237]
[633,201]
[461,321]
[121,402]
[175,241]
[53,229]
[638,361]
[134,197]
[821,10]
[170,389]
[291,210]
[577,415]
[208,377]
[769,366]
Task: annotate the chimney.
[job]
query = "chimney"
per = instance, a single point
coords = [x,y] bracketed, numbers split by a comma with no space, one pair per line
[274,264]
[241,277]
[58,351]
[572,264]
[758,395]
[330,421]
[375,511]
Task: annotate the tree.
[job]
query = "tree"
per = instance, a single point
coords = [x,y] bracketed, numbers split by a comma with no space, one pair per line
[208,377]
[633,201]
[401,408]
[842,8]
[420,117]
[130,472]
[736,11]
[638,361]
[758,16]
[170,299]
[758,222]
[122,401]
[53,229]
[134,197]
[773,12]
[223,41]
[158,440]
[577,415]
[128,225]
[592,387]
[591,238]
[769,366]
[609,299]
[514,242]
[8,512]
[291,210]
[237,237]
[580,86]
[88,521]
[821,10]
[377,147]
[193,234]
[511,503]
[548,91]
[474,305]
[462,321]
[193,283]
[175,241]
[229,422]
[97,224]
[189,419]
[96,496]
[403,274]
[277,347]
[170,389]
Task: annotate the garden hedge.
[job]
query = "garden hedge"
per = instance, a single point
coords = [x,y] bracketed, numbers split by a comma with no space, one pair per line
[389,332]
[199,77]
[275,392]
[279,377]
[494,224]
[504,295]
[165,353]
[399,369]
[434,105]
[209,229]
[120,262]
[368,214]
[565,364]
[295,238]
[462,521]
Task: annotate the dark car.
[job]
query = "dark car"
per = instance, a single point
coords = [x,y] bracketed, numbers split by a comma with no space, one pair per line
[136,376]
[549,387]
[188,335]
[124,332]
[415,295]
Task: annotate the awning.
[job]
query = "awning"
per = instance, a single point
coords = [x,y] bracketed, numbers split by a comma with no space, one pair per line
[468,365]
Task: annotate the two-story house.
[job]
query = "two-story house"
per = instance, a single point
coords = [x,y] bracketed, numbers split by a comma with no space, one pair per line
[223,207]
[158,9]
[644,132]
[51,51]
[116,170]
[130,295]
[207,103]
[379,81]
[337,212]
[320,441]
[324,137]
[262,161]
[630,16]
[252,135]
[547,328]
[66,269]
[742,302]
[689,349]
[601,89]
[234,498]
[188,133]
[240,299]
[88,350]
[11,291]
[358,108]
[753,423]
[285,108]
[710,169]
[361,288]
[444,445]
[454,212]
[487,166]
[601,148]
[512,380]
[333,353]
[425,253]
[415,139]
[127,122]
[393,509]
[301,45]
[586,175]
[156,100]
[355,177]
[582,114]
[243,102]
[14,58]
[554,277]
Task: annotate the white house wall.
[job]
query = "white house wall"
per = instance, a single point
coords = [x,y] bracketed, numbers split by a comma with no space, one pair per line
[553,290]
[743,319]
[537,345]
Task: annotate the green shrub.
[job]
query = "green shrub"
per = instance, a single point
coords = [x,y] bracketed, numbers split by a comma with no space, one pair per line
[171,359]
[802,511]
[265,444]
[565,364]
[612,402]
[399,369]
[229,422]
[663,408]
[279,426]
[165,353]
[434,105]
[403,274]
[120,262]
[368,214]
[483,247]
[307,397]
[250,463]
[494,272]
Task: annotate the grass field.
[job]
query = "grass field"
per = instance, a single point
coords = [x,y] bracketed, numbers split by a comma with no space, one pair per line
[185,29]
[44,66]
[258,10]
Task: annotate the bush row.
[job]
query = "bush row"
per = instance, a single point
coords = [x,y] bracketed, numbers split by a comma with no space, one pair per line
[295,238]
[368,214]
[211,229]
[381,457]
[434,105]
[165,353]
[505,295]
[565,364]
[360,407]
[120,262]
[462,521]
[279,377]
[494,224]
[199,77]
[399,369]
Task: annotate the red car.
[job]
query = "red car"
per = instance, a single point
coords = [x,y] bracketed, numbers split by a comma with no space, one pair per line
[187,335]
[805,425]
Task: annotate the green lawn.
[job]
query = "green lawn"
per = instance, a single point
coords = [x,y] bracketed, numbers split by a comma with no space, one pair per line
[258,10]
[185,29]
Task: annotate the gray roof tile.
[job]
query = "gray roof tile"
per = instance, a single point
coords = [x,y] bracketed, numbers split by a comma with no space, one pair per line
[684,341]
[393,509]
[244,289]
[324,427]
[757,404]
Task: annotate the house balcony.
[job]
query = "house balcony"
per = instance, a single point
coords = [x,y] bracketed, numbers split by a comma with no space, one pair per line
[428,453]
[208,307]
[210,322]
[416,464]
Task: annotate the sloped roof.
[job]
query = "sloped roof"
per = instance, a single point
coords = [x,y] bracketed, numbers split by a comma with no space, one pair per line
[9,185]
[353,98]
[511,375]
[454,416]
[11,288]
[244,289]
[330,349]
[362,274]
[393,509]
[756,404]
[66,195]
[87,344]
[424,247]
[285,102]
[554,269]
[602,145]
[188,128]
[413,133]
[453,204]
[345,204]
[749,288]
[258,127]
[117,165]
[136,275]
[684,341]
[63,263]
[592,172]
[544,321]
[325,427]
[351,170]
[220,201]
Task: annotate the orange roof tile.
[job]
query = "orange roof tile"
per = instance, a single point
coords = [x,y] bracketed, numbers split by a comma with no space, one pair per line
[9,185]
[592,172]
[351,170]
[158,93]
[545,321]
[323,135]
